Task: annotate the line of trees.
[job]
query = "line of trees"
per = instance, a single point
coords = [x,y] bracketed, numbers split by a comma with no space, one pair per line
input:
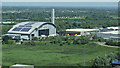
[92,17]
[106,60]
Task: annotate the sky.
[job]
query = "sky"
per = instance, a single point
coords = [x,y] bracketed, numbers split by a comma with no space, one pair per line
[63,4]
[60,0]
[73,3]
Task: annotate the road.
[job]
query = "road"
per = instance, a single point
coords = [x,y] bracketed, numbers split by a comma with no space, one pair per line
[103,44]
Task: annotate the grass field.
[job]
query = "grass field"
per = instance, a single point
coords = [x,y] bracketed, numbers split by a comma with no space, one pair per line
[53,54]
[16,19]
[114,17]
[70,18]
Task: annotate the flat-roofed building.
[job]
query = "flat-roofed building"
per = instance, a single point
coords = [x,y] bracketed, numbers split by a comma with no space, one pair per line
[110,35]
[80,32]
[110,29]
[113,28]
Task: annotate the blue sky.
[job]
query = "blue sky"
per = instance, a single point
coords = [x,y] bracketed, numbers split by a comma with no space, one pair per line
[60,0]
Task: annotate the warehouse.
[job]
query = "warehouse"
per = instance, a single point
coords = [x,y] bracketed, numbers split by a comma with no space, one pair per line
[110,35]
[79,32]
[113,28]
[29,30]
[109,29]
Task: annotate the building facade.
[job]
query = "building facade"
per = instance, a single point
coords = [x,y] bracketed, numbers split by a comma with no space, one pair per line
[79,32]
[29,30]
[110,35]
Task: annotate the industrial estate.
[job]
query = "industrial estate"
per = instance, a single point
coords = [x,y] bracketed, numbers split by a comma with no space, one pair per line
[29,30]
[64,37]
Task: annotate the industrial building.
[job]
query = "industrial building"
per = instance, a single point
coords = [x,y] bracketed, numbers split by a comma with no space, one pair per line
[113,28]
[29,30]
[109,29]
[110,35]
[79,32]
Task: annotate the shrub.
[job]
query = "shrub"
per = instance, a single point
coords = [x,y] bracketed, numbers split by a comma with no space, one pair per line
[112,43]
[61,44]
[75,42]
[54,42]
[32,43]
[35,38]
[45,43]
[118,54]
[38,43]
[101,39]
[11,41]
[5,39]
[58,41]
[69,43]
[105,60]
[84,42]
[17,40]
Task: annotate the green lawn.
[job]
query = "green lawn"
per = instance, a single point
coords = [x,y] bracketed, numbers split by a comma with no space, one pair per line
[114,17]
[53,54]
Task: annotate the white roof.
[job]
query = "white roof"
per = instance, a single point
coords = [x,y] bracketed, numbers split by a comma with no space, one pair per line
[6,22]
[113,27]
[114,37]
[32,27]
[111,32]
[20,65]
[82,30]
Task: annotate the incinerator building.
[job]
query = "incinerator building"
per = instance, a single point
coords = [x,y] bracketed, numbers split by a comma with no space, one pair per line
[28,30]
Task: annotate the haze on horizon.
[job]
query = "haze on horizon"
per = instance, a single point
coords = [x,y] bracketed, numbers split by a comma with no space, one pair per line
[63,4]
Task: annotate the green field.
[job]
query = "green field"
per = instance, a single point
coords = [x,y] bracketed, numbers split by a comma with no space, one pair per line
[70,18]
[53,54]
[114,17]
[16,19]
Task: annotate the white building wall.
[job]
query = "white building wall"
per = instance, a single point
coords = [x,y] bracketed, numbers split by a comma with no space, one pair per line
[107,36]
[24,37]
[35,32]
[52,30]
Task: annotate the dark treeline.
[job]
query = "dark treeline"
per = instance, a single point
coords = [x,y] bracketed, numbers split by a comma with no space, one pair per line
[89,17]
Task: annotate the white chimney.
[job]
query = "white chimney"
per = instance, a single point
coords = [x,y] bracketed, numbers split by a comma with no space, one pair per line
[53,16]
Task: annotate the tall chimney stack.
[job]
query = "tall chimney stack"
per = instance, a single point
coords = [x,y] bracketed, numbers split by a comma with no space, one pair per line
[53,16]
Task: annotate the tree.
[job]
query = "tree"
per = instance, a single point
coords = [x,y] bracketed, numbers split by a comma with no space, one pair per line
[35,38]
[5,39]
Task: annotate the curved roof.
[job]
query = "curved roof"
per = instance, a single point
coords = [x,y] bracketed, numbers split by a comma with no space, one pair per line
[27,27]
